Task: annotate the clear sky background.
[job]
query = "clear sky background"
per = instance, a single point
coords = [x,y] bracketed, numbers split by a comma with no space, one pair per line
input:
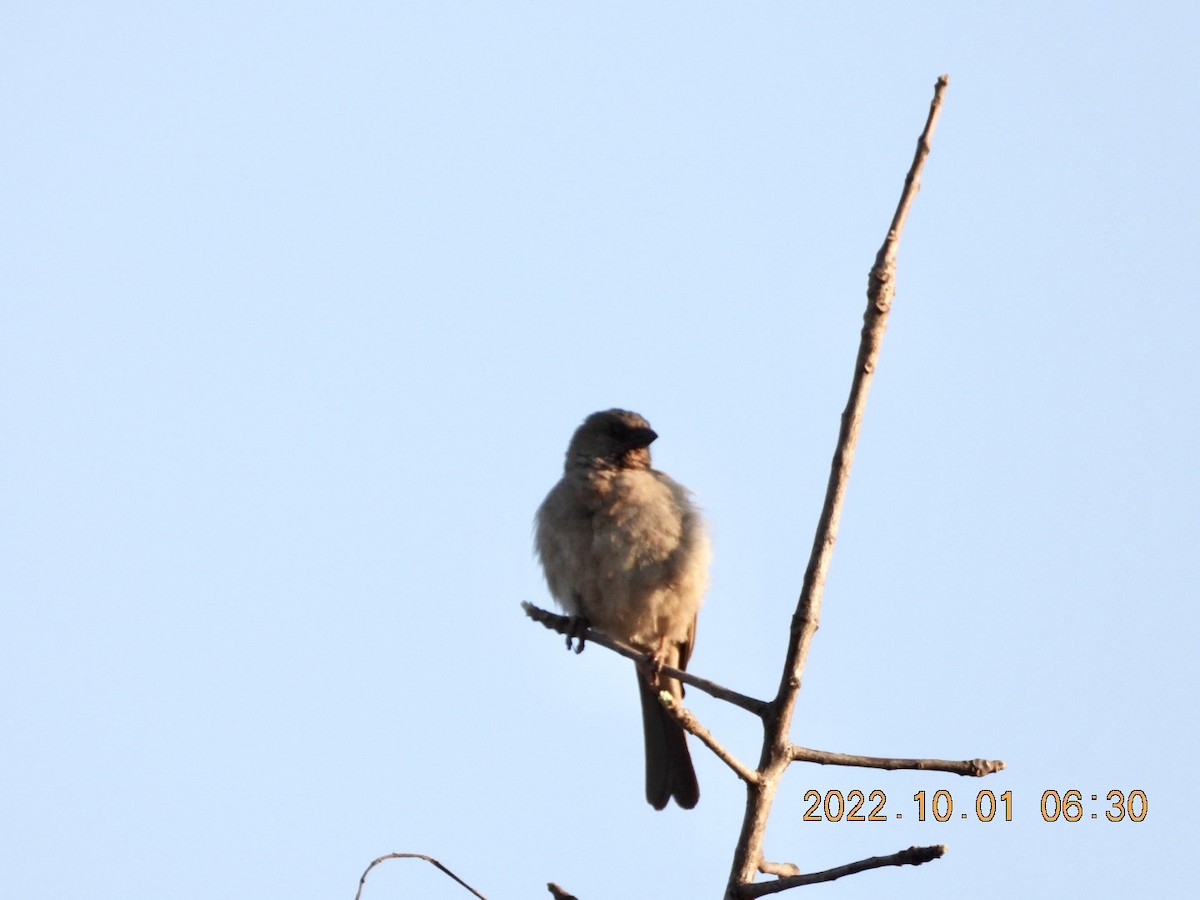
[302,302]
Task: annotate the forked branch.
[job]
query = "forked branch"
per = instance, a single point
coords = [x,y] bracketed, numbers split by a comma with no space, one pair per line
[777,749]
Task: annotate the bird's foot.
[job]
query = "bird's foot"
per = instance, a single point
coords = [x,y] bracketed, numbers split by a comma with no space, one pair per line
[577,631]
[651,666]
[656,660]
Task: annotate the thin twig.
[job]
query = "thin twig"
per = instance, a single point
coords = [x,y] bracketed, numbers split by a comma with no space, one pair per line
[776,746]
[565,625]
[428,859]
[913,856]
[689,722]
[975,768]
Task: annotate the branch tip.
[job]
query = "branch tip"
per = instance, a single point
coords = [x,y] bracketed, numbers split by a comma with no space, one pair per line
[913,856]
[429,859]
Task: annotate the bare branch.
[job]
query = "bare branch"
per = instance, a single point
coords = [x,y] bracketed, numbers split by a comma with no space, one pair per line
[689,723]
[880,290]
[776,746]
[913,856]
[976,768]
[567,625]
[428,859]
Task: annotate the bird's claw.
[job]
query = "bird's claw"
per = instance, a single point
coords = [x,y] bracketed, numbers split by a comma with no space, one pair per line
[656,667]
[577,631]
[651,667]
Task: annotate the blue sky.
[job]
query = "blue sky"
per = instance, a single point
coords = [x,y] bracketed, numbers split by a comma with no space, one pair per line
[301,303]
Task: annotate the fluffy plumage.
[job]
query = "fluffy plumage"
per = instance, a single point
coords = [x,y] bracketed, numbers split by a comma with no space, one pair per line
[623,546]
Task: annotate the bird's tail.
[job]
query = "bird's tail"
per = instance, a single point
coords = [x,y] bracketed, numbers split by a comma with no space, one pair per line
[669,771]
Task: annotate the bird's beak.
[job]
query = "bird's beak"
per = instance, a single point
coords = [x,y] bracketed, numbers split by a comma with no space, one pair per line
[641,437]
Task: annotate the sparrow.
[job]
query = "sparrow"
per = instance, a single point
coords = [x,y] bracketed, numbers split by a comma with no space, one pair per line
[626,551]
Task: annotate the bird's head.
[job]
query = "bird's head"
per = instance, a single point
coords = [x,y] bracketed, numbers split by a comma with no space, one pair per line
[612,438]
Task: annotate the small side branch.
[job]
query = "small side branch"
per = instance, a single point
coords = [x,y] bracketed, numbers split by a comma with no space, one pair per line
[566,625]
[428,859]
[689,723]
[913,856]
[975,768]
[784,870]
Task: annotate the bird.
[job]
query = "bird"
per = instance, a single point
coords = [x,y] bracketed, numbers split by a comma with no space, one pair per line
[626,551]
